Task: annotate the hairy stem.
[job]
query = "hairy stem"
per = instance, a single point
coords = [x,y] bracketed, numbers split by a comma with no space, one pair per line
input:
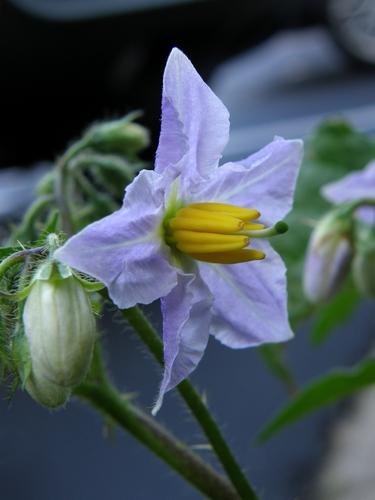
[20,256]
[200,411]
[61,184]
[175,453]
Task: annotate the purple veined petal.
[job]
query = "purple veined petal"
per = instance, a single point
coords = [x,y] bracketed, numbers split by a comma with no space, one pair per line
[352,187]
[355,186]
[123,249]
[186,318]
[195,123]
[250,300]
[265,180]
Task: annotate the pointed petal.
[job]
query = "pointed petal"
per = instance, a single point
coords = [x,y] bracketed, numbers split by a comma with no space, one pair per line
[355,186]
[352,187]
[265,180]
[123,250]
[195,123]
[186,318]
[250,300]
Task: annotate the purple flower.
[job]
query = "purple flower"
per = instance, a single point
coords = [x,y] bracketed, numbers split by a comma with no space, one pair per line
[330,252]
[182,232]
[354,187]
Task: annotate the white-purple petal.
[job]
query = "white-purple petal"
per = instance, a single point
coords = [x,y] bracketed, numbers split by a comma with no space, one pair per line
[353,187]
[265,180]
[250,300]
[123,250]
[195,123]
[186,318]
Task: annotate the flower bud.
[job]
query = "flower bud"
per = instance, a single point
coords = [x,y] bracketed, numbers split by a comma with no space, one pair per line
[118,136]
[329,255]
[60,328]
[45,392]
[364,261]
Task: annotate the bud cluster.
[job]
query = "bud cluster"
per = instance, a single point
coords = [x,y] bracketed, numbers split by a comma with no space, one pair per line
[339,243]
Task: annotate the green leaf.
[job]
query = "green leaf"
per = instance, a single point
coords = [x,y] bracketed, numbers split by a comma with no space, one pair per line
[273,356]
[334,150]
[335,313]
[338,384]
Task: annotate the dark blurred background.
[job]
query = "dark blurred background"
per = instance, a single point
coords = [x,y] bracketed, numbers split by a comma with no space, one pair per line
[280,67]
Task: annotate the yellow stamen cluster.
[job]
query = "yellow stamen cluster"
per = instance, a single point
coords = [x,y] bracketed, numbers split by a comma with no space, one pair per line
[214,232]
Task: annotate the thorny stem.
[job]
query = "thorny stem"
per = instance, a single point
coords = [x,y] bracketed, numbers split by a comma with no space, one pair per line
[103,396]
[149,336]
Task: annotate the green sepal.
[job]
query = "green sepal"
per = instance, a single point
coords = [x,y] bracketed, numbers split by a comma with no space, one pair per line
[16,296]
[21,357]
[90,286]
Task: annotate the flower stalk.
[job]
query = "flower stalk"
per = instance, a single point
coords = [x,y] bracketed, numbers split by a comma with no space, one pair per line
[149,336]
[101,394]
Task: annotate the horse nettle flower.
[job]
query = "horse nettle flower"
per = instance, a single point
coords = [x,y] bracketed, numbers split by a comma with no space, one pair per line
[122,136]
[60,328]
[364,260]
[45,392]
[329,255]
[184,230]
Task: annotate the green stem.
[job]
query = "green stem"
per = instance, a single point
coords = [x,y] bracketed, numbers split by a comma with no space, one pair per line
[93,194]
[200,411]
[24,230]
[103,396]
[364,202]
[17,257]
[106,162]
[61,183]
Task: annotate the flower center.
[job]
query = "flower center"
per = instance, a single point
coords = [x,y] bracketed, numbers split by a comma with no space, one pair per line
[216,232]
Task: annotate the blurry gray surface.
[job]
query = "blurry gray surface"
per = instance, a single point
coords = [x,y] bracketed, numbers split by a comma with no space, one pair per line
[348,470]
[65,10]
[288,85]
[64,456]
[17,188]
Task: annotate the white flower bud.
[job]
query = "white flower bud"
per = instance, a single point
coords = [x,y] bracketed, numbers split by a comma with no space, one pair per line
[60,328]
[328,256]
[45,392]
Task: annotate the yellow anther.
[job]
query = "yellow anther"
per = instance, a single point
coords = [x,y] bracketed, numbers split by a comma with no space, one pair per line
[204,238]
[231,257]
[214,232]
[224,208]
[198,220]
[251,227]
[192,247]
[195,213]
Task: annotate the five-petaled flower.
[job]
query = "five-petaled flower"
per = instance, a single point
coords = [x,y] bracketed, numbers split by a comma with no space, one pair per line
[184,228]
